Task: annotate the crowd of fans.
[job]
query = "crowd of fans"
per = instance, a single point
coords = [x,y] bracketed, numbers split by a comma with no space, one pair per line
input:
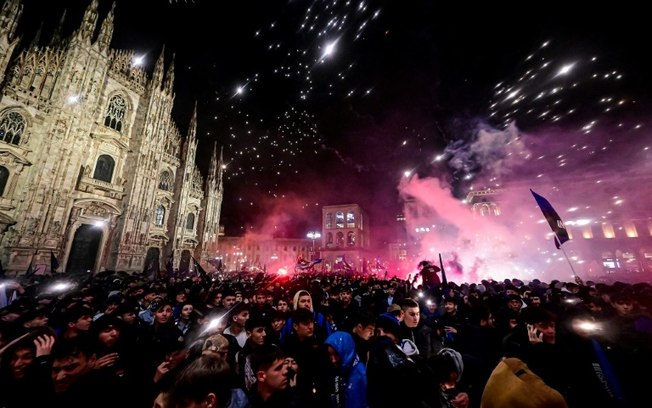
[311,340]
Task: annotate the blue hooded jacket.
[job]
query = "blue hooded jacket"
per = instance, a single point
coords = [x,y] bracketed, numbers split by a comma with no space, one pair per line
[353,371]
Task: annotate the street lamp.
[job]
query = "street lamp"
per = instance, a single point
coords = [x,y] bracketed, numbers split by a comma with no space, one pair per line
[313,235]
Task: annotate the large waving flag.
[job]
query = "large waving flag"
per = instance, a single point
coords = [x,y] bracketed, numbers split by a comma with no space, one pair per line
[554,220]
[200,271]
[304,264]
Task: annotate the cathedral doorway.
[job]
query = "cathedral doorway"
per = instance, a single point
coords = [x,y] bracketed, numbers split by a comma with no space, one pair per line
[184,263]
[83,251]
[152,266]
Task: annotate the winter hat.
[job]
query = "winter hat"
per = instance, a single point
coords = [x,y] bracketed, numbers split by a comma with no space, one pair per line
[389,323]
[456,358]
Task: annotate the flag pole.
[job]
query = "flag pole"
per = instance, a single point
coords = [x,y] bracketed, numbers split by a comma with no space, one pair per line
[567,258]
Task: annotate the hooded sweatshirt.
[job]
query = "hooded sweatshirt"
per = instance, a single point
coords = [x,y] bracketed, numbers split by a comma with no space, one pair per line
[352,374]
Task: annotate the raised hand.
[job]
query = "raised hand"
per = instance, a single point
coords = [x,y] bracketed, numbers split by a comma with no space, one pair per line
[534,335]
[44,345]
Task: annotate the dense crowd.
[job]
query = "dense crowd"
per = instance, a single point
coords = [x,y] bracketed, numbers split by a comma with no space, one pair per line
[312,340]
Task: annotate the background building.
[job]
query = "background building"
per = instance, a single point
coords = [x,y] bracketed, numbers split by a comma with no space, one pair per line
[92,166]
[345,236]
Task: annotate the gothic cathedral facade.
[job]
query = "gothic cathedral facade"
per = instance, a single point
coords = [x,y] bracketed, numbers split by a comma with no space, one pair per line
[92,167]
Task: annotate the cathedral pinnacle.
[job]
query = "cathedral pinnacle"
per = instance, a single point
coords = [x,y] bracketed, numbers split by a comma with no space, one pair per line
[9,16]
[157,76]
[106,32]
[58,31]
[169,77]
[192,128]
[89,22]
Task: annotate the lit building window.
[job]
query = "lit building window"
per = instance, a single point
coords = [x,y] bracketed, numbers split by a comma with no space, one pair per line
[350,219]
[329,220]
[339,219]
[159,216]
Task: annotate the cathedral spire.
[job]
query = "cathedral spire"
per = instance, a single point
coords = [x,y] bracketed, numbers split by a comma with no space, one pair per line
[106,32]
[169,78]
[89,22]
[192,128]
[212,167]
[58,32]
[221,166]
[9,16]
[37,36]
[157,76]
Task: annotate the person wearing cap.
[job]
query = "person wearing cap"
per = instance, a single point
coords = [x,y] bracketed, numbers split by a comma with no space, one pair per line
[389,369]
[238,318]
[447,368]
[255,328]
[303,345]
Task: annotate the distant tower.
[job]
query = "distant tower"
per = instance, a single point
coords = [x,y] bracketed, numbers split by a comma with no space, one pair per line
[484,202]
[345,234]
[9,16]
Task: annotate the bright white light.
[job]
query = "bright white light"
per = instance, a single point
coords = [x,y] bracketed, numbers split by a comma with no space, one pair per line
[282,272]
[329,49]
[59,287]
[407,173]
[239,90]
[139,60]
[99,224]
[565,69]
[72,99]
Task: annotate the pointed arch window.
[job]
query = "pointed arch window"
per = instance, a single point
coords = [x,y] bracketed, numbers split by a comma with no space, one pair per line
[329,239]
[4,178]
[104,168]
[190,222]
[12,126]
[339,219]
[329,220]
[115,114]
[350,219]
[165,181]
[159,216]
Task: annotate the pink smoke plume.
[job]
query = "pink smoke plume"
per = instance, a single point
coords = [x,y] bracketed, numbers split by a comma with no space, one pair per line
[596,185]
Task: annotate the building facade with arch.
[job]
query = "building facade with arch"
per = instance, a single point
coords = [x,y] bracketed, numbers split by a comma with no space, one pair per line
[92,166]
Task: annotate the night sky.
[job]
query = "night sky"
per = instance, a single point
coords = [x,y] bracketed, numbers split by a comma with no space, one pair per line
[329,102]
